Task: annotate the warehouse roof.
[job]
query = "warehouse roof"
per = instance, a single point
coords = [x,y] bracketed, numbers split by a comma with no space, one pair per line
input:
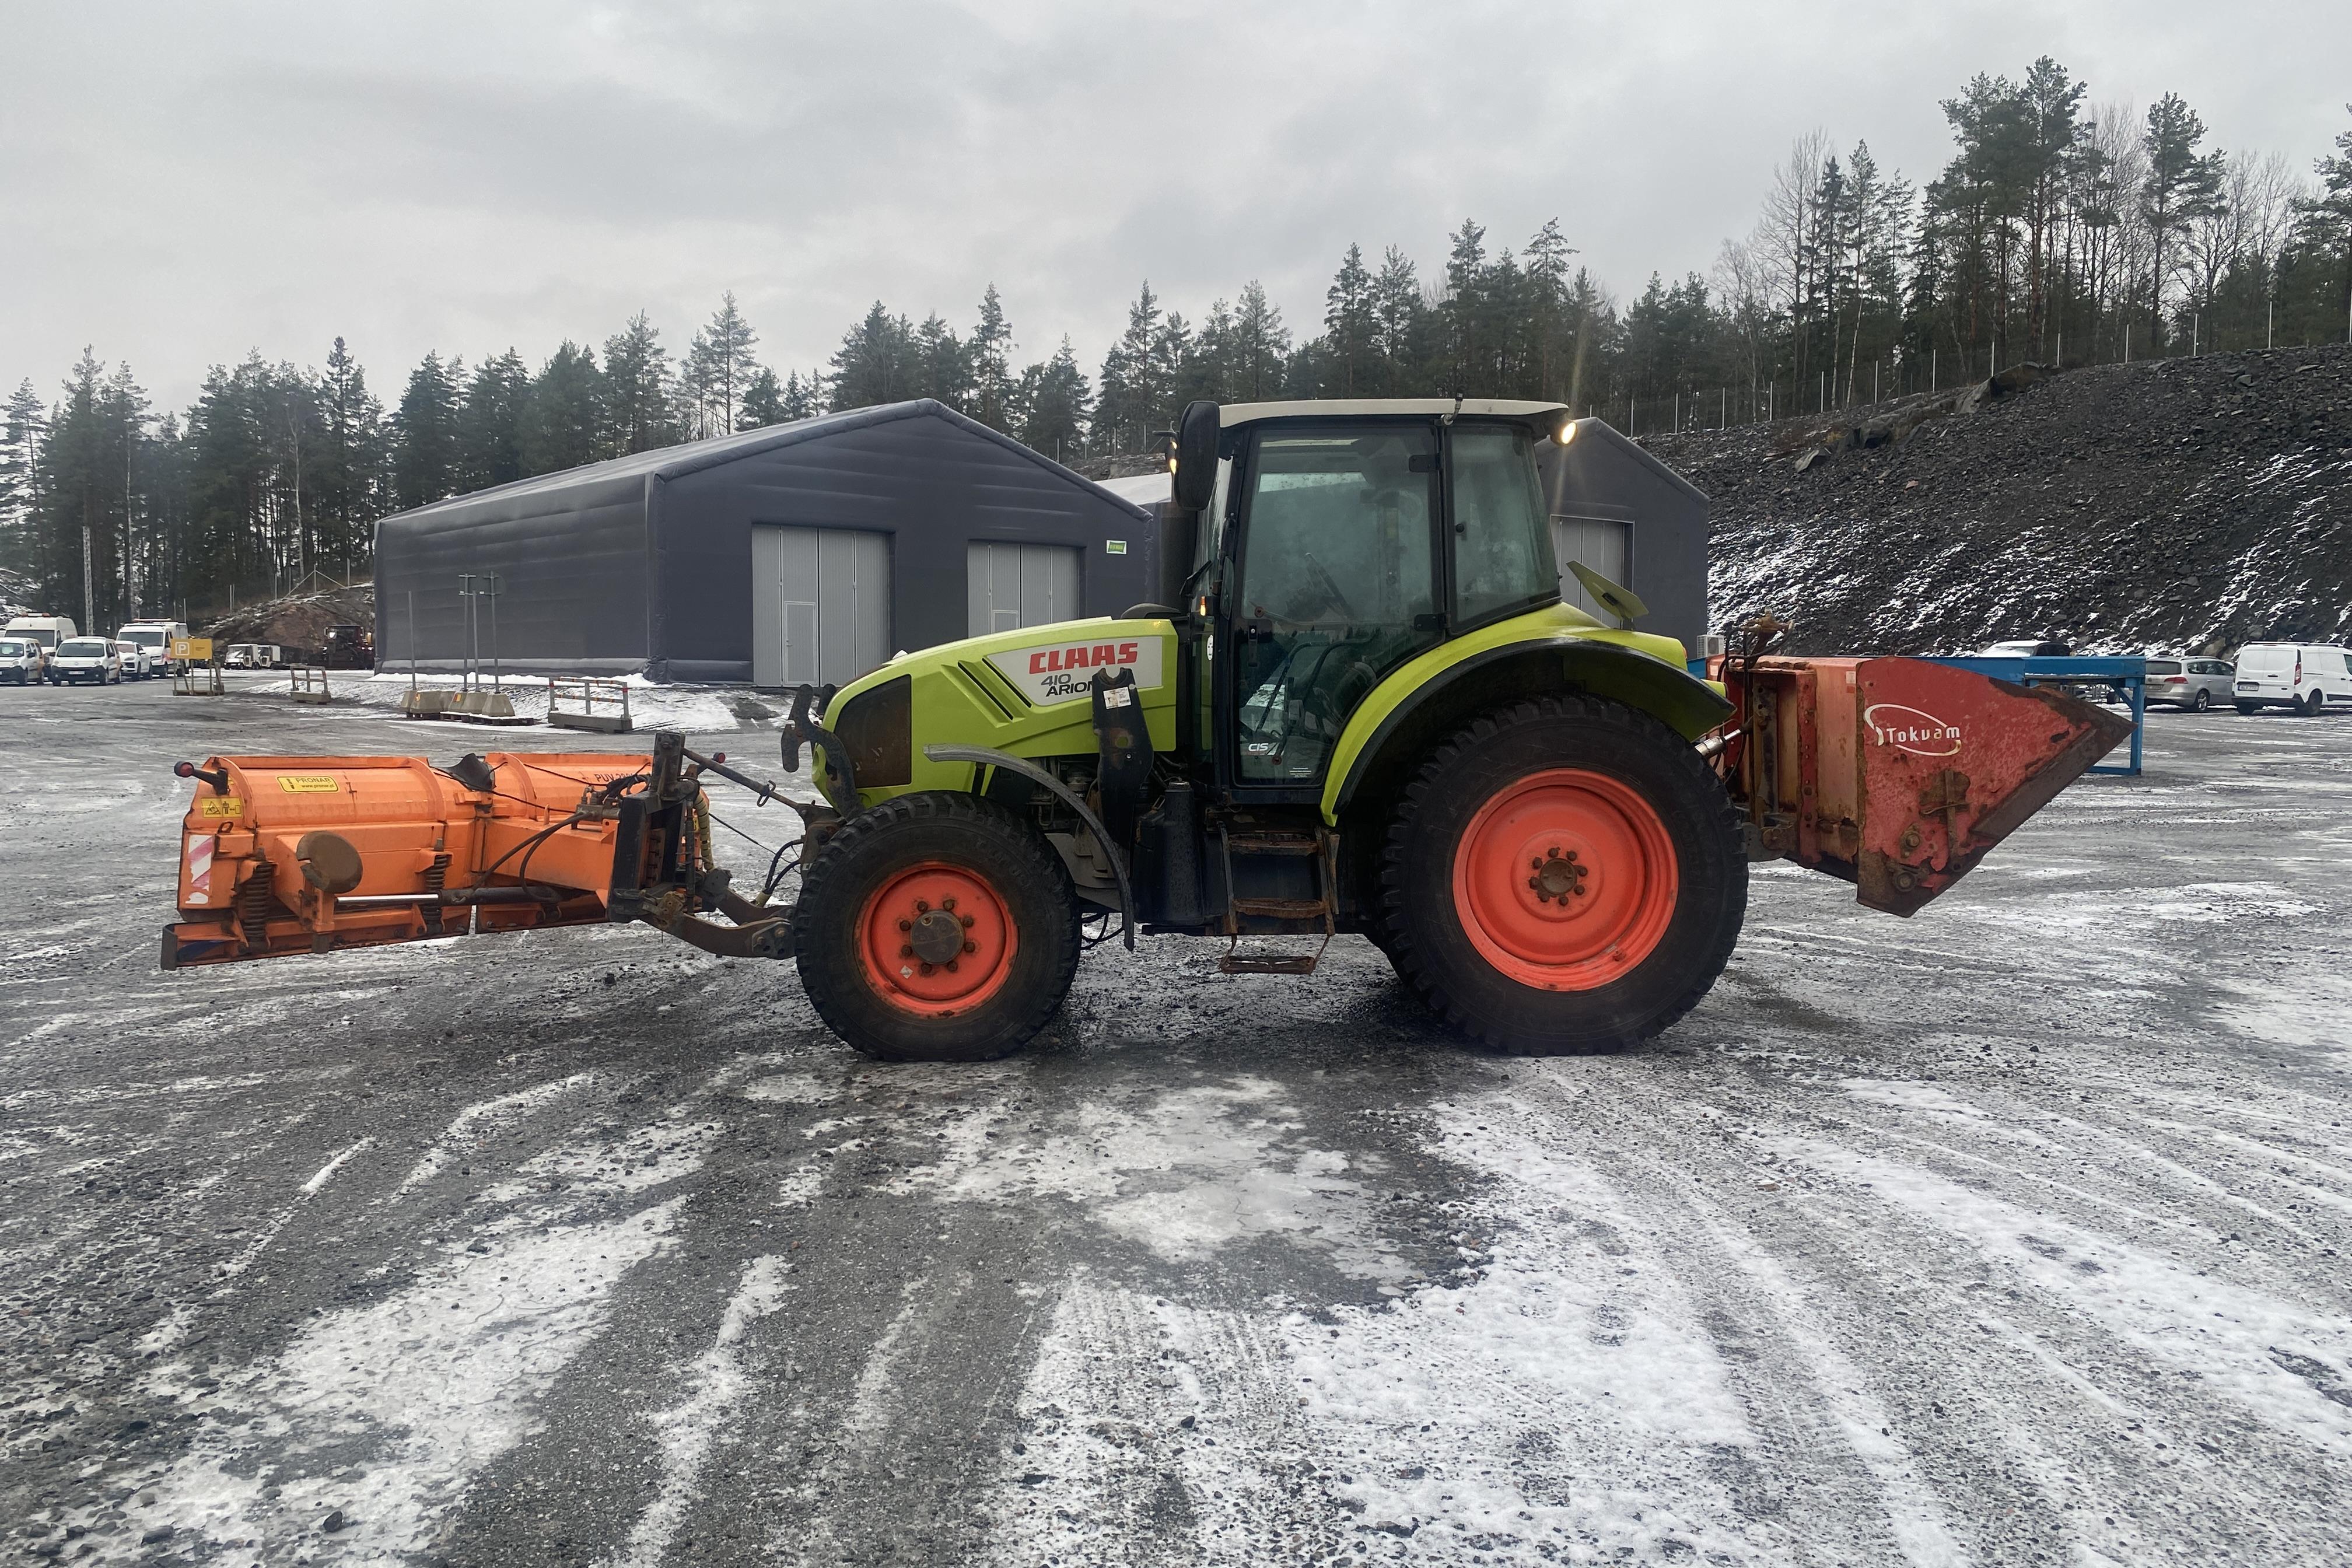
[691,456]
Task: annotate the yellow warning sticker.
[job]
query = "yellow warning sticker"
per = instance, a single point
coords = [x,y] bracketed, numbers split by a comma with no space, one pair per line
[219,806]
[308,783]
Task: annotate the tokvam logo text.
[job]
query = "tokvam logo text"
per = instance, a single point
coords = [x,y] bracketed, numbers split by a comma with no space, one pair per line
[1910,730]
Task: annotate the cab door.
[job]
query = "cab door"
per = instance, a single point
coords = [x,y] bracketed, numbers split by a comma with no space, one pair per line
[1337,577]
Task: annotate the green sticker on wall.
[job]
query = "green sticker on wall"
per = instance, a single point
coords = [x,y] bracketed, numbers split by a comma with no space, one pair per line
[1114,547]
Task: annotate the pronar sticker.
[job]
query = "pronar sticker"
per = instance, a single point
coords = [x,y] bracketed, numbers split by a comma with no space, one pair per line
[308,783]
[1047,673]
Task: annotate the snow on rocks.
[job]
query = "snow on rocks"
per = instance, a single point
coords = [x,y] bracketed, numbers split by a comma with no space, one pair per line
[2171,504]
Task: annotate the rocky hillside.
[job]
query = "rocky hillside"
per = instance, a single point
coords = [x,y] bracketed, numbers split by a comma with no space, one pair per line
[2195,503]
[299,621]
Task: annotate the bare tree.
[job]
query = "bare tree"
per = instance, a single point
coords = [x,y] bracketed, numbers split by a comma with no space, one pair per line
[1742,284]
[1785,232]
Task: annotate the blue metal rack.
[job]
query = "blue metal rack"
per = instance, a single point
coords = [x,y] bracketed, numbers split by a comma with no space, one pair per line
[2125,676]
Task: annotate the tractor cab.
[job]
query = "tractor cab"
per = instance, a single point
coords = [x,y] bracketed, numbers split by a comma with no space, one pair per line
[1325,547]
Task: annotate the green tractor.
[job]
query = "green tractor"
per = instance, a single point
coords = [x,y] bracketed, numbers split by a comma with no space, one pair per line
[1368,711]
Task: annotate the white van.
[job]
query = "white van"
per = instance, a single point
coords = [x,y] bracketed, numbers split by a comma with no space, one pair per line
[47,630]
[155,637]
[2307,677]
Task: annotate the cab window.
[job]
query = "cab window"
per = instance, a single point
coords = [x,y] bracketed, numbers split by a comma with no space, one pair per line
[1502,536]
[1337,586]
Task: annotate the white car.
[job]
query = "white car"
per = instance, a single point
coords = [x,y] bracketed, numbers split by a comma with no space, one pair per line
[85,659]
[20,660]
[2306,677]
[137,664]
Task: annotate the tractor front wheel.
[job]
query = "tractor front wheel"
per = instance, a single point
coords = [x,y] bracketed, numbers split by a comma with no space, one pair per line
[1564,875]
[935,928]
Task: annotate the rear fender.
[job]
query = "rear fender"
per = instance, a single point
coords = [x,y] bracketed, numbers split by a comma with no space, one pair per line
[1374,755]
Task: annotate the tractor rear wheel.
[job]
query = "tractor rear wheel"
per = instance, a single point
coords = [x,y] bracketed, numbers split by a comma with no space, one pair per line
[1564,875]
[935,928]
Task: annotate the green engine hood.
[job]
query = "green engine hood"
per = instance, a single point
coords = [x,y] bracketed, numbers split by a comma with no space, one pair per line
[1023,693]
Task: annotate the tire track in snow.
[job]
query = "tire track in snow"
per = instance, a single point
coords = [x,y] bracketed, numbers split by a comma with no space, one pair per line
[384,1411]
[1155,1432]
[686,1431]
[2049,1425]
[480,1118]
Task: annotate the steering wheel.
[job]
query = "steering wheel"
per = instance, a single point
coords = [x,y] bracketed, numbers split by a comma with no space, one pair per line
[1329,588]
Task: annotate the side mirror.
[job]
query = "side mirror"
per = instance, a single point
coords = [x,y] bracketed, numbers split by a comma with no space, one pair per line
[1196,455]
[1180,534]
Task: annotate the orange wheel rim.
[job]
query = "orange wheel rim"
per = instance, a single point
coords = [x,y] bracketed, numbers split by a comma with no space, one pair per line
[1566,879]
[935,940]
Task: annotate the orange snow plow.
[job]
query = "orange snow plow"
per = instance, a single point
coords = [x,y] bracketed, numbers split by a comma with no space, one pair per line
[283,855]
[1895,775]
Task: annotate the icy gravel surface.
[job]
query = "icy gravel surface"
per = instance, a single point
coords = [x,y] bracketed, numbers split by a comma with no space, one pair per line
[2015,1232]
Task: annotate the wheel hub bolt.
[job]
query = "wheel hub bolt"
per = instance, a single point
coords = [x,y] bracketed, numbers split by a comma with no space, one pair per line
[938,936]
[1561,876]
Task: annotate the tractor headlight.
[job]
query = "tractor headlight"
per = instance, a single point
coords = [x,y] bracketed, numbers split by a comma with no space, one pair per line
[1566,433]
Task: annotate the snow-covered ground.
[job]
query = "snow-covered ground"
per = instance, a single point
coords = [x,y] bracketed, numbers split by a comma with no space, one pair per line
[2015,1233]
[701,708]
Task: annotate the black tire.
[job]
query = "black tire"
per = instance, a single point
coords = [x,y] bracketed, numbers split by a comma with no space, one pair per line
[862,861]
[2204,700]
[1492,755]
[2314,704]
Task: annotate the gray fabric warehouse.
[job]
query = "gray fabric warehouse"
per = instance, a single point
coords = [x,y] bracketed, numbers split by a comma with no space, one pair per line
[1633,519]
[803,551]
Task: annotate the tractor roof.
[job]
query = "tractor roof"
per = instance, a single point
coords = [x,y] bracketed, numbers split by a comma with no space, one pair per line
[1234,413]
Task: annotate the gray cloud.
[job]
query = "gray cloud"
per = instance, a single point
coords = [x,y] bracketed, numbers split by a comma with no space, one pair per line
[178,185]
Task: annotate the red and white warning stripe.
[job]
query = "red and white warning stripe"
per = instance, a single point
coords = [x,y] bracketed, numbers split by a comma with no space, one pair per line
[200,867]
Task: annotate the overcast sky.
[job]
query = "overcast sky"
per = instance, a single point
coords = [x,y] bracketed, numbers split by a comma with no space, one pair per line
[180,184]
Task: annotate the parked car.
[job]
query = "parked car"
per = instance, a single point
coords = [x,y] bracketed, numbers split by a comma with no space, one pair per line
[137,664]
[85,659]
[2307,677]
[2193,683]
[20,660]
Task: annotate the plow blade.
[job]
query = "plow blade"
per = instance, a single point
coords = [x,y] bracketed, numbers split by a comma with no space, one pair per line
[1897,774]
[314,854]
[286,855]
